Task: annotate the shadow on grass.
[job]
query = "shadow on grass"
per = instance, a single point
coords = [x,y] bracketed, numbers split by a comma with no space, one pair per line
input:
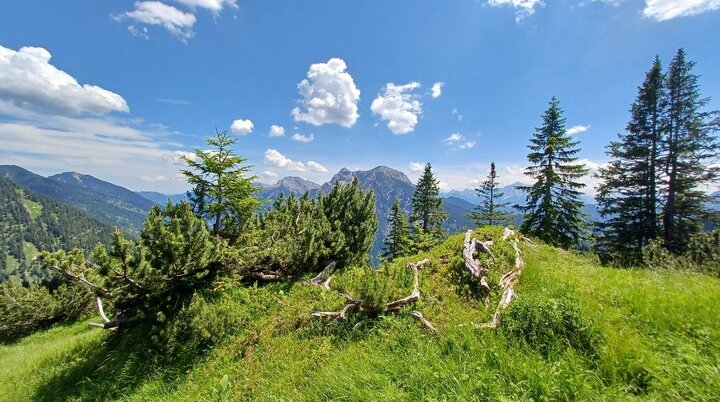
[112,367]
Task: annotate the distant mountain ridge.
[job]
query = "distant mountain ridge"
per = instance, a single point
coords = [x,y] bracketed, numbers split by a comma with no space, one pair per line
[106,202]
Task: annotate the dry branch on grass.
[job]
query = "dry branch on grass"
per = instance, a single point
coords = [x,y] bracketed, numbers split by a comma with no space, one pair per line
[354,305]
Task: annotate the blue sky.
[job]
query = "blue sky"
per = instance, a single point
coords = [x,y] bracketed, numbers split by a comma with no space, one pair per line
[118,89]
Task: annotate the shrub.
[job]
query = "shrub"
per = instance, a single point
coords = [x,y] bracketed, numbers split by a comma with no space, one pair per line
[702,255]
[550,325]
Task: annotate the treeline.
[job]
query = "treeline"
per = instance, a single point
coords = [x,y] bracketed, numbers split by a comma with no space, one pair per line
[652,192]
[32,222]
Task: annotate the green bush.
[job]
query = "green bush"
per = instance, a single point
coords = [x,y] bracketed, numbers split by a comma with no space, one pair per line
[550,325]
[702,255]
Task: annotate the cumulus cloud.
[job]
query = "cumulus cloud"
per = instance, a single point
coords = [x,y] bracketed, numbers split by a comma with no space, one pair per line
[663,10]
[577,129]
[416,167]
[456,113]
[329,95]
[276,159]
[302,137]
[523,8]
[269,175]
[459,141]
[29,81]
[316,167]
[175,21]
[276,131]
[437,89]
[139,32]
[213,5]
[242,127]
[399,107]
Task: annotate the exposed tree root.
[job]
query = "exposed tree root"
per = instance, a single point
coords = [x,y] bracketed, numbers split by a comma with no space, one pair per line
[508,281]
[354,305]
[474,266]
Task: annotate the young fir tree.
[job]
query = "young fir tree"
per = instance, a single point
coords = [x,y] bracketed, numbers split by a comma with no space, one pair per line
[491,211]
[398,242]
[688,146]
[553,209]
[222,188]
[428,214]
[628,196]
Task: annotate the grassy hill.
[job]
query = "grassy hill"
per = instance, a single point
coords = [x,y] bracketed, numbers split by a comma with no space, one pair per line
[577,331]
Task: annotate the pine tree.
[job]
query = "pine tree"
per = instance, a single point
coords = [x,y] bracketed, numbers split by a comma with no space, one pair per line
[428,214]
[491,211]
[222,187]
[627,196]
[553,209]
[398,242]
[689,144]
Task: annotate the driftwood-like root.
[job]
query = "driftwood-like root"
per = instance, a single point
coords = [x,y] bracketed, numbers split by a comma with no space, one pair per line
[473,266]
[353,304]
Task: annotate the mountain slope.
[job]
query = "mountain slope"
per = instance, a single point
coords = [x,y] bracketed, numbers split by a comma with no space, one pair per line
[288,185]
[160,198]
[654,336]
[94,196]
[32,222]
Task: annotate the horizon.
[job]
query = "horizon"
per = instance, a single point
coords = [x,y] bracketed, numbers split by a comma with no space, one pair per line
[310,90]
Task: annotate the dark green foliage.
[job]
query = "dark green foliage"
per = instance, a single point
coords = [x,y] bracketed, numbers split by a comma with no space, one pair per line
[427,212]
[295,236]
[154,277]
[628,196]
[702,255]
[491,211]
[689,145]
[550,325]
[553,210]
[28,309]
[222,190]
[29,218]
[398,242]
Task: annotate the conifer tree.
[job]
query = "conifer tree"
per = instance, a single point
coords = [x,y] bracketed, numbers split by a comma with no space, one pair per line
[428,214]
[628,195]
[689,144]
[491,211]
[398,241]
[553,206]
[222,187]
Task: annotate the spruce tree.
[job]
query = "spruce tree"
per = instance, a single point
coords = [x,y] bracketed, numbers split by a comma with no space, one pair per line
[628,196]
[491,211]
[398,242]
[222,187]
[553,209]
[689,144]
[428,214]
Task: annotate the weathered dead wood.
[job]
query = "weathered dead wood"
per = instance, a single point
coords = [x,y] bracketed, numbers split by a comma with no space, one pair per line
[352,304]
[101,310]
[474,266]
[507,284]
[328,269]
[263,276]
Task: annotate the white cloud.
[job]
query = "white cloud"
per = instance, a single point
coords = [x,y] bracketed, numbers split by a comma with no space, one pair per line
[276,159]
[29,81]
[416,167]
[276,131]
[466,145]
[137,32]
[437,89]
[177,22]
[577,129]
[523,8]
[123,151]
[316,167]
[213,5]
[269,175]
[329,95]
[453,138]
[456,113]
[663,10]
[242,127]
[399,107]
[302,137]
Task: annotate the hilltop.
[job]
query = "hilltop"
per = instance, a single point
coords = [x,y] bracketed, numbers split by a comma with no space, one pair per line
[577,331]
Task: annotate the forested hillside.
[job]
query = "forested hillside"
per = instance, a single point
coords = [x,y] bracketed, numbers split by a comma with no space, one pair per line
[104,201]
[32,223]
